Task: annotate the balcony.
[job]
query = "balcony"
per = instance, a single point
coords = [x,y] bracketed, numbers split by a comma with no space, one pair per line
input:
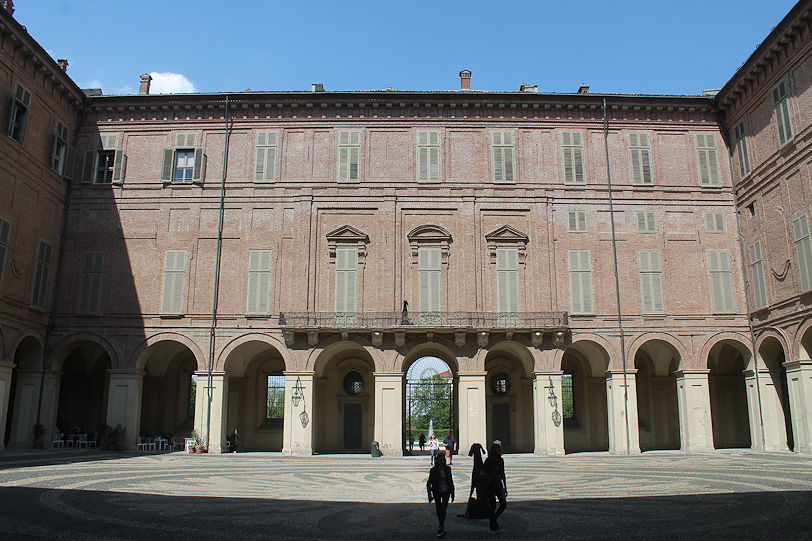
[402,323]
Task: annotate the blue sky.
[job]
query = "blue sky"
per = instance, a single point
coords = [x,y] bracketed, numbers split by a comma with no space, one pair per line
[654,46]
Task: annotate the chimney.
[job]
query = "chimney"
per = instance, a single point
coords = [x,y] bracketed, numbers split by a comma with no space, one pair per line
[63,64]
[145,80]
[317,87]
[8,5]
[465,80]
[527,87]
[584,89]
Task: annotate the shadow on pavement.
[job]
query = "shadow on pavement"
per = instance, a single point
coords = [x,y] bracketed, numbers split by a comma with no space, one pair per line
[10,459]
[75,514]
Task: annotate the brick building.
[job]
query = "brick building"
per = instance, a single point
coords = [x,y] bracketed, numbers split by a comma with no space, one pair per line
[278,262]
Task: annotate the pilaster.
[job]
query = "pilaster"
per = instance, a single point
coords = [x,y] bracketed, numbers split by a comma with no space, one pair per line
[772,414]
[799,381]
[211,429]
[621,397]
[471,412]
[693,399]
[6,372]
[548,420]
[298,425]
[124,403]
[389,413]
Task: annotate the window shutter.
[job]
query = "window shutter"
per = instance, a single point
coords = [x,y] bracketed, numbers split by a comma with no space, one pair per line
[508,158]
[429,279]
[803,247]
[197,172]
[507,279]
[721,281]
[5,228]
[174,279]
[70,163]
[90,283]
[578,163]
[573,221]
[118,166]
[259,282]
[498,164]
[423,163]
[580,281]
[343,164]
[168,165]
[259,163]
[434,164]
[270,164]
[346,279]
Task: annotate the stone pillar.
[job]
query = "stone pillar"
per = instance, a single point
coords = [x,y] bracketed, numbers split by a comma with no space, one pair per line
[298,426]
[548,420]
[616,407]
[772,414]
[6,372]
[471,411]
[217,393]
[693,399]
[799,381]
[389,413]
[124,403]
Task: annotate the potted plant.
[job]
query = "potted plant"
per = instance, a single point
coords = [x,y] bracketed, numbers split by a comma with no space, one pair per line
[198,446]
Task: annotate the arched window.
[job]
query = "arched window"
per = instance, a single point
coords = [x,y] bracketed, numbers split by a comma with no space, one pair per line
[353,383]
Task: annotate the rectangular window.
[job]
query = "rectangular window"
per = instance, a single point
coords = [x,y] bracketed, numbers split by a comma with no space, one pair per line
[109,162]
[265,156]
[580,269]
[183,164]
[349,155]
[577,221]
[567,397]
[640,153]
[646,222]
[90,282]
[757,274]
[714,222]
[346,280]
[573,148]
[507,285]
[651,281]
[742,152]
[174,282]
[429,270]
[706,158]
[502,150]
[275,398]
[781,104]
[803,247]
[60,148]
[428,156]
[721,279]
[259,282]
[5,230]
[18,116]
[41,275]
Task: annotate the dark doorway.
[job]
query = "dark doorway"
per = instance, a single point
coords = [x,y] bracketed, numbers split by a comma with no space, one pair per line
[501,424]
[352,426]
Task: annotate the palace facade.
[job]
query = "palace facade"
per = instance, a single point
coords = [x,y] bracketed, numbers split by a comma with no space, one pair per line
[275,262]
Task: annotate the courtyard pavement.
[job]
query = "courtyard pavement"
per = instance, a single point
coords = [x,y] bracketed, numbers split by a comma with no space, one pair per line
[86,494]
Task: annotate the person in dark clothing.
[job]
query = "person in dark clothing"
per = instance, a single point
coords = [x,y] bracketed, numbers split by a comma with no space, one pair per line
[450,443]
[477,507]
[494,470]
[232,441]
[440,488]
[422,441]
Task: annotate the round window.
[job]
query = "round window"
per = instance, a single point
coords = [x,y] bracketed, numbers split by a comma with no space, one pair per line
[500,383]
[353,383]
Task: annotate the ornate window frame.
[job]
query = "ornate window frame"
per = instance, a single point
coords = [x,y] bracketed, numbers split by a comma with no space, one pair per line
[507,237]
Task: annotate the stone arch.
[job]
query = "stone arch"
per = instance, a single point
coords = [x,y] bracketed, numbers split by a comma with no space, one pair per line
[61,347]
[772,351]
[440,347]
[803,340]
[141,349]
[269,339]
[674,342]
[727,357]
[607,347]
[736,340]
[584,400]
[27,335]
[516,348]
[334,346]
[773,333]
[656,361]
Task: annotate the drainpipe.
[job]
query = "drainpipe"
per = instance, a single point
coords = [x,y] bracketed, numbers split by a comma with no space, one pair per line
[617,277]
[217,277]
[730,148]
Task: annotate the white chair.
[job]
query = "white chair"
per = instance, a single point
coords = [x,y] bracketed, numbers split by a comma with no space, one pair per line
[178,444]
[58,441]
[188,443]
[82,441]
[145,444]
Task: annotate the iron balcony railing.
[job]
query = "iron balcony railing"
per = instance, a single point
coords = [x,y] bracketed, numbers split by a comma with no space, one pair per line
[424,320]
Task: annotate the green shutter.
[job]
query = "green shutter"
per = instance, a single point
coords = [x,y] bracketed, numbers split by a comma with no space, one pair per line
[200,158]
[429,279]
[168,164]
[803,248]
[118,166]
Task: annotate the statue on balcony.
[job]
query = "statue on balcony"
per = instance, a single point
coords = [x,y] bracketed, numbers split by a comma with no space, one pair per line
[404,318]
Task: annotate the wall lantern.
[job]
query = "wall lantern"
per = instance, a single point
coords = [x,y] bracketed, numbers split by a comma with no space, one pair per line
[298,392]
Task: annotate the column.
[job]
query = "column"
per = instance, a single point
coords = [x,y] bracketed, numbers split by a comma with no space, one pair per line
[212,430]
[471,411]
[772,414]
[6,372]
[799,381]
[548,420]
[124,403]
[389,413]
[298,426]
[693,399]
[618,407]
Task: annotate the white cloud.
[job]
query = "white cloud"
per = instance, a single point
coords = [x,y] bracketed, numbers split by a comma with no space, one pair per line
[170,83]
[95,83]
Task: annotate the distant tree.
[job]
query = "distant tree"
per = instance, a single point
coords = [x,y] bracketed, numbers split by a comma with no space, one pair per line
[431,401]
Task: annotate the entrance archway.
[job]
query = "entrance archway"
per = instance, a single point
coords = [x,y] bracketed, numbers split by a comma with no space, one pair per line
[772,353]
[83,390]
[583,401]
[25,381]
[430,401]
[256,396]
[728,395]
[169,390]
[509,403]
[657,413]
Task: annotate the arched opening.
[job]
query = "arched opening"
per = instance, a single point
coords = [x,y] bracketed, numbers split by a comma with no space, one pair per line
[256,396]
[772,353]
[83,390]
[657,413]
[806,345]
[583,401]
[25,379]
[728,395]
[169,391]
[344,420]
[509,403]
[430,402]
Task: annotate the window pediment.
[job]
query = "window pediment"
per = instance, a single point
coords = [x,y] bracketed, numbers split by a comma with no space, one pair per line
[507,237]
[429,235]
[347,236]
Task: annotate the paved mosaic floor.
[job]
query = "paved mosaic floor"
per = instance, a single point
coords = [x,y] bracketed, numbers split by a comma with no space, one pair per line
[81,494]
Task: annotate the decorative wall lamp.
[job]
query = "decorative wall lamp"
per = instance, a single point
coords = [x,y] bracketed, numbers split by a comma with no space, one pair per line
[553,399]
[298,392]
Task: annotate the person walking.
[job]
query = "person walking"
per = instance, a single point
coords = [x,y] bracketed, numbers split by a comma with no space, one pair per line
[450,448]
[434,447]
[494,470]
[411,442]
[422,442]
[440,488]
